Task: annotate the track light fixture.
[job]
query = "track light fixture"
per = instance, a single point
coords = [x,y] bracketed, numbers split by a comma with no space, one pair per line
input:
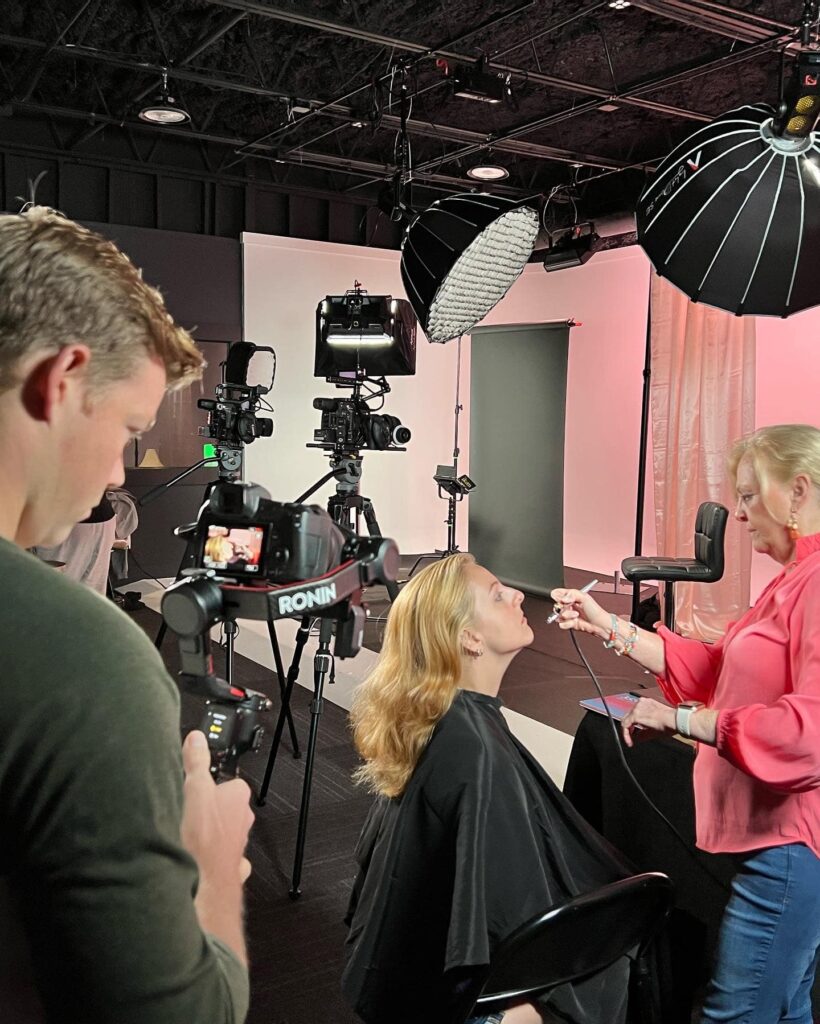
[164,109]
[488,171]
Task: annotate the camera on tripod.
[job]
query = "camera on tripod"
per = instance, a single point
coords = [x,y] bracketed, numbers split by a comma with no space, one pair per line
[362,339]
[232,415]
[348,423]
[261,559]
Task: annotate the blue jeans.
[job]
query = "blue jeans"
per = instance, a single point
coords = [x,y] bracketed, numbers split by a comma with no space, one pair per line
[769,938]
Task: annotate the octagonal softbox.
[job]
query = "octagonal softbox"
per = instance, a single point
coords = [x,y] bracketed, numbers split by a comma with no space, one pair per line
[460,257]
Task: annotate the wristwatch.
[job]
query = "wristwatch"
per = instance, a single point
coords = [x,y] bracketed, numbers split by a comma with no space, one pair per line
[683,713]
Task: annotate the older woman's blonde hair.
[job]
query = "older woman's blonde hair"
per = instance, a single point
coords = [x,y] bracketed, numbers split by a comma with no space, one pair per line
[417,676]
[778,454]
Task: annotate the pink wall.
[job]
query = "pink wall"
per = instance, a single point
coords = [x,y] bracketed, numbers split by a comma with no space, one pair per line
[788,389]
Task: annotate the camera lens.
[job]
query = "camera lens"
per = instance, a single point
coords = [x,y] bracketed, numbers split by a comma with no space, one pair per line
[401,435]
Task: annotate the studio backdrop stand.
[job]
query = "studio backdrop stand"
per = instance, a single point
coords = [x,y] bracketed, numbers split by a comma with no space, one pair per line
[344,507]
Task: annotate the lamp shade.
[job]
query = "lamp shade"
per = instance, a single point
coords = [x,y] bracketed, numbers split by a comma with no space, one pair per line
[460,257]
[732,216]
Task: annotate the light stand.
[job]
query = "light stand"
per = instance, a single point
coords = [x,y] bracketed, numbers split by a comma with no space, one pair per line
[450,485]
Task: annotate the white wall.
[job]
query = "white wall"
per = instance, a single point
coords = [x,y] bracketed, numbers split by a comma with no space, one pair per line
[284,279]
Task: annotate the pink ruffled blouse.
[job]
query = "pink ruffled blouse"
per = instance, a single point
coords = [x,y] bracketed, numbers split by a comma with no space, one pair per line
[760,785]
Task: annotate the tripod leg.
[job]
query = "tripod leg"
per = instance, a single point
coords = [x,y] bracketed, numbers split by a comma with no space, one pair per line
[322,663]
[293,674]
[280,674]
[374,531]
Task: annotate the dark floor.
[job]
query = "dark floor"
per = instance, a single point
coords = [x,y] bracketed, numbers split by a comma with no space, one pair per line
[296,947]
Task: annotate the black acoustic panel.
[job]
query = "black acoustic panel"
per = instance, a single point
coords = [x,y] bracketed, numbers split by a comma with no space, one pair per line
[199,276]
[308,217]
[271,210]
[229,211]
[346,223]
[84,192]
[133,198]
[181,205]
[21,173]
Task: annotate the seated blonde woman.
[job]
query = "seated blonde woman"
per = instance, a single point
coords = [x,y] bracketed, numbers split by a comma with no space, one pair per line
[468,837]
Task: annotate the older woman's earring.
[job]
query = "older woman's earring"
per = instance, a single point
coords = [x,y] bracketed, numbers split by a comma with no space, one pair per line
[791,526]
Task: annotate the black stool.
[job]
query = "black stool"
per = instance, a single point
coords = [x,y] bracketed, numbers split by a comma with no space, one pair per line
[705,567]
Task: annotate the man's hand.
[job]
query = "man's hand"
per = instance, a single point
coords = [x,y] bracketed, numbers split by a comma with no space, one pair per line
[215,825]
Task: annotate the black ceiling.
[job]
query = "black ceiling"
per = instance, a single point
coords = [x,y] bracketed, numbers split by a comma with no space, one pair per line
[83,69]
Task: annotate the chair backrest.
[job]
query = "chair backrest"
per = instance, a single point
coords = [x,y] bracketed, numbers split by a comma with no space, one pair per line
[710,528]
[576,938]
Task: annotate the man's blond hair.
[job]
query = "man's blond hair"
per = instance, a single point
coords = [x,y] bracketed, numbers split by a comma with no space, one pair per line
[61,283]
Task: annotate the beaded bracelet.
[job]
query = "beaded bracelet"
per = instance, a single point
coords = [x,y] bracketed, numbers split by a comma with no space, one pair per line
[631,640]
[613,632]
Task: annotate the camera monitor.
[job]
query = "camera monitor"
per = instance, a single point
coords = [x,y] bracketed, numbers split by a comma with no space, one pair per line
[235,551]
[365,335]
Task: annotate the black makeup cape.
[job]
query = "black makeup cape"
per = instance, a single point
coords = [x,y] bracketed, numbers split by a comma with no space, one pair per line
[480,841]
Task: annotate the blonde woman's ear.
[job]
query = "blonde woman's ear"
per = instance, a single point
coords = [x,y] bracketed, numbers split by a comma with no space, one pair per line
[471,644]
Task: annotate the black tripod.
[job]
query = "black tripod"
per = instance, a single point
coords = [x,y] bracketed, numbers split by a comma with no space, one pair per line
[229,458]
[344,507]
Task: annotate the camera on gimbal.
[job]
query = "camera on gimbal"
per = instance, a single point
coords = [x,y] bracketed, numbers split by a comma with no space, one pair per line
[232,415]
[261,559]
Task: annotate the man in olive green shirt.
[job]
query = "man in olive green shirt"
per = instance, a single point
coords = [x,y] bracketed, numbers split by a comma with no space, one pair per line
[120,887]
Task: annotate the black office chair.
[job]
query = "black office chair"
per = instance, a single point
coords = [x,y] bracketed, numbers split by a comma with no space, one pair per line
[569,942]
[705,567]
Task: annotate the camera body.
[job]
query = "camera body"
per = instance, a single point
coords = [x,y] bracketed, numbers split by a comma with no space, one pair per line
[263,559]
[242,534]
[348,424]
[232,417]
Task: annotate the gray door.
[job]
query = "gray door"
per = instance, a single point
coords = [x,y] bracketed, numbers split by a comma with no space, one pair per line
[518,385]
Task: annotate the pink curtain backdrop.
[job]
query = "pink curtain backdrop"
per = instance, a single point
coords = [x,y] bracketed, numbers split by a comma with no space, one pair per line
[703,399]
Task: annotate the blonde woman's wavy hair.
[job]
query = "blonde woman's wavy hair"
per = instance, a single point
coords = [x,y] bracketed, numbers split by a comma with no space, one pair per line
[778,454]
[417,676]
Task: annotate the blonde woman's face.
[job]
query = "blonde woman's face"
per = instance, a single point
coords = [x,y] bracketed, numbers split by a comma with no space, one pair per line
[767,530]
[498,615]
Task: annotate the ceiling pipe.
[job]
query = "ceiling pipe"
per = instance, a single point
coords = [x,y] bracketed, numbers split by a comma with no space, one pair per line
[337,111]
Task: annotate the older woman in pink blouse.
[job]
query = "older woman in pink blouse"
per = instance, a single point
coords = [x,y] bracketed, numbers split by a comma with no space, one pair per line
[752,703]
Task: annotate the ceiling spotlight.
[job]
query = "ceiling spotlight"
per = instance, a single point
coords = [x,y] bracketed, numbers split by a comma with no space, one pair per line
[164,109]
[488,172]
[460,257]
[619,5]
[357,124]
[572,249]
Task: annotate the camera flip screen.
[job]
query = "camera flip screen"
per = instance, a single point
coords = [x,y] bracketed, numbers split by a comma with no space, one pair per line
[234,550]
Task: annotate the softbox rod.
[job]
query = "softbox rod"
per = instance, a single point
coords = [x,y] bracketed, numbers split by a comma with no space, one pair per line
[647,377]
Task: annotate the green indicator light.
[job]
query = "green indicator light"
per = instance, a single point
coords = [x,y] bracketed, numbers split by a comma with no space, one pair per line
[209,451]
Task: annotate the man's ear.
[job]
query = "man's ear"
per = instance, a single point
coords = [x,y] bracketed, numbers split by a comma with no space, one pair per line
[48,382]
